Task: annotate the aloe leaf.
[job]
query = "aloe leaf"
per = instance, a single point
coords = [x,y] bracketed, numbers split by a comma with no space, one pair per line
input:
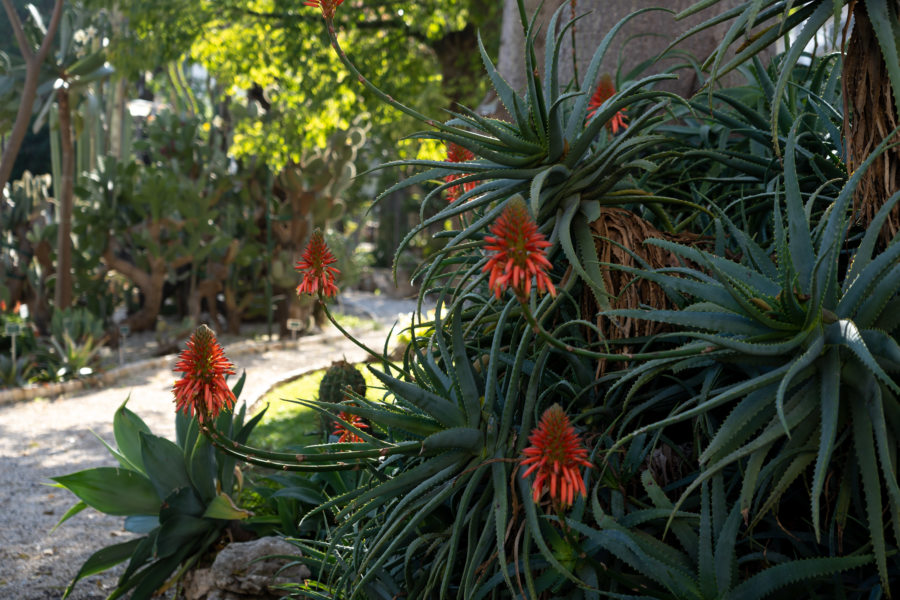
[443,411]
[533,528]
[120,458]
[750,479]
[750,346]
[813,24]
[113,491]
[568,223]
[751,278]
[127,428]
[867,463]
[457,528]
[537,185]
[884,347]
[469,390]
[801,250]
[878,297]
[863,255]
[415,424]
[507,95]
[102,560]
[875,406]
[846,333]
[829,391]
[809,356]
[722,322]
[725,561]
[743,421]
[873,275]
[624,545]
[705,557]
[766,582]
[455,438]
[164,462]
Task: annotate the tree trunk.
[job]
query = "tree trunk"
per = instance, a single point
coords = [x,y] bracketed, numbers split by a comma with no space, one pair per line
[871,114]
[65,200]
[33,62]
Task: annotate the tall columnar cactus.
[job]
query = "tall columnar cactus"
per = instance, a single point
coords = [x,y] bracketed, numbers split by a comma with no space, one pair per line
[311,195]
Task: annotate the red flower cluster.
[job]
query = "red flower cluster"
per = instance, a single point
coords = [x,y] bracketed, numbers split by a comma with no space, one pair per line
[202,389]
[519,253]
[327,6]
[317,275]
[458,154]
[556,453]
[606,90]
[344,434]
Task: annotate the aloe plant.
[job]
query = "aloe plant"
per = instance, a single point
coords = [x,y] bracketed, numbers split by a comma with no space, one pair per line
[179,495]
[812,335]
[705,564]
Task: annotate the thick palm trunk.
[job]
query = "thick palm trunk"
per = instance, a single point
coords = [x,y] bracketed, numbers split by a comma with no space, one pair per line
[871,115]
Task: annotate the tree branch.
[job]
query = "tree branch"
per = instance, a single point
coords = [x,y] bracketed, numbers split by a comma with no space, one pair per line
[51,30]
[18,30]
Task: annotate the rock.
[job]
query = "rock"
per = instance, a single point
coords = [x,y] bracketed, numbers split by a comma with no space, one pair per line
[235,576]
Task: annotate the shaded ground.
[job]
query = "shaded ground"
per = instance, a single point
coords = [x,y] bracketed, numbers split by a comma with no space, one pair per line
[49,437]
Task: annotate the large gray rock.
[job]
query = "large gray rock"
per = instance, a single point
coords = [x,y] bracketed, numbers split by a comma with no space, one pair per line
[241,571]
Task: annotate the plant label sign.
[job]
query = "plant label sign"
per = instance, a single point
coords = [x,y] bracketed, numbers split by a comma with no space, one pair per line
[12,329]
[294,325]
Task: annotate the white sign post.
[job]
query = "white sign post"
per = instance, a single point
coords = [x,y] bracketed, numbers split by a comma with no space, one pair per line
[124,330]
[13,330]
[294,325]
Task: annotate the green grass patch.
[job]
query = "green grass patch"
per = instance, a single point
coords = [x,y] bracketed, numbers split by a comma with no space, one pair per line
[288,424]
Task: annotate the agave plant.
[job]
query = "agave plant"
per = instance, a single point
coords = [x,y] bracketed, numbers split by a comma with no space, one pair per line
[811,336]
[179,495]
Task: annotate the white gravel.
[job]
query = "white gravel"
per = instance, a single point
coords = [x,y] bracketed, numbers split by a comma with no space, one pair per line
[47,437]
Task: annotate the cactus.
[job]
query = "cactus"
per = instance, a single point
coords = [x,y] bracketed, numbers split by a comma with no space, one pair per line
[338,378]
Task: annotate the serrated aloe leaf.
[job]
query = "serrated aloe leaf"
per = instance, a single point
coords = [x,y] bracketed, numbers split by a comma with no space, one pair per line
[801,250]
[113,491]
[867,463]
[722,322]
[566,226]
[164,463]
[863,255]
[845,332]
[127,428]
[442,410]
[465,376]
[102,560]
[813,24]
[507,95]
[800,364]
[829,391]
[764,583]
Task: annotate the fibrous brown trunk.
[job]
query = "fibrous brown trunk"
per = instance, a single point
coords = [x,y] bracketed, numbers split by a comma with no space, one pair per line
[871,116]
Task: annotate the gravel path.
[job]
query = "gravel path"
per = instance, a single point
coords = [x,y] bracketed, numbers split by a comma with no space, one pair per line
[46,437]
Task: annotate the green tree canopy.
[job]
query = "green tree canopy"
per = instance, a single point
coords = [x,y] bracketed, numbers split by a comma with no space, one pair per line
[279,50]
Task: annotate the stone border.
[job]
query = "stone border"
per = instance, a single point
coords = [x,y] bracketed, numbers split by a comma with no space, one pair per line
[112,375]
